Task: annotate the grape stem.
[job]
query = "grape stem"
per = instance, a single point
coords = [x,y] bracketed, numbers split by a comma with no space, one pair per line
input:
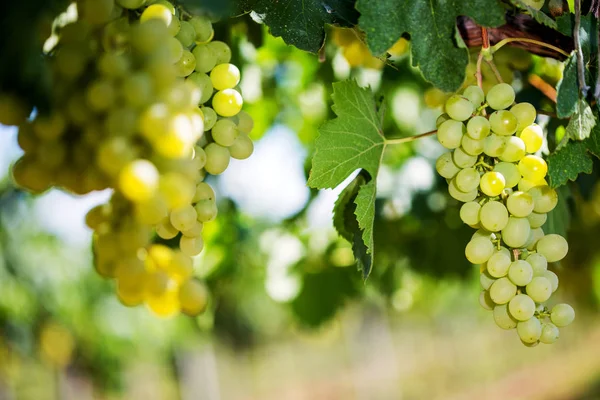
[516,254]
[501,44]
[495,70]
[410,138]
[478,71]
[583,87]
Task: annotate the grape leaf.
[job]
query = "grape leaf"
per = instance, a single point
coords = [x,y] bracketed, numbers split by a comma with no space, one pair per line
[302,22]
[567,89]
[538,15]
[431,25]
[344,220]
[365,215]
[582,121]
[568,162]
[593,142]
[588,29]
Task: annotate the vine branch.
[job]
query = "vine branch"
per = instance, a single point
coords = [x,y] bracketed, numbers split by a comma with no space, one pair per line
[410,138]
[583,88]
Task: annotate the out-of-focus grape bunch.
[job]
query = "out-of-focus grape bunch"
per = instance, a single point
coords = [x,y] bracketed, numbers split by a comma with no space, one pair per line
[144,102]
[494,168]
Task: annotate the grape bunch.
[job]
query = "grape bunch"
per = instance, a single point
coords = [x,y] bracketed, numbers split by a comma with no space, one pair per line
[493,169]
[144,103]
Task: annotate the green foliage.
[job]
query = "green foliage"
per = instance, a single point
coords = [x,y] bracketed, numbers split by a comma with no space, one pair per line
[538,15]
[568,162]
[567,89]
[582,121]
[431,26]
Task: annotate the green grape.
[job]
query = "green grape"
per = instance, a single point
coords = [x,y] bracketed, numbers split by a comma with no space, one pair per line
[242,147]
[520,204]
[552,277]
[445,166]
[550,333]
[539,289]
[450,134]
[183,218]
[536,220]
[514,150]
[467,180]
[474,94]
[205,59]
[457,194]
[520,272]
[100,95]
[459,108]
[493,216]
[131,4]
[478,127]
[510,172]
[217,159]
[225,76]
[533,137]
[203,28]
[503,123]
[471,146]
[193,297]
[199,157]
[191,246]
[221,50]
[492,183]
[49,127]
[538,262]
[486,280]
[525,185]
[498,264]
[486,301]
[154,121]
[502,317]
[554,247]
[210,118]
[96,12]
[535,4]
[204,83]
[186,64]
[137,89]
[123,120]
[483,233]
[203,192]
[516,232]
[138,180]
[525,114]
[195,230]
[469,213]
[479,250]
[245,122]
[165,230]
[228,103]
[152,211]
[535,235]
[562,315]
[521,307]
[157,12]
[530,331]
[533,168]
[441,119]
[225,132]
[176,189]
[206,210]
[502,291]
[544,198]
[462,159]
[500,96]
[186,35]
[494,145]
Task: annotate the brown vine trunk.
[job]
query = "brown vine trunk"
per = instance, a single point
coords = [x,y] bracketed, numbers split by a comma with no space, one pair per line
[517,26]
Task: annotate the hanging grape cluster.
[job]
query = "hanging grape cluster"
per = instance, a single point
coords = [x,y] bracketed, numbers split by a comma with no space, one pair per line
[145,103]
[493,169]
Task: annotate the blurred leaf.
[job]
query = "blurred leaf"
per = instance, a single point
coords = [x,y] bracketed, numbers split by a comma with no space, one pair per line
[365,214]
[219,8]
[568,162]
[582,121]
[567,88]
[538,15]
[559,219]
[431,26]
[344,219]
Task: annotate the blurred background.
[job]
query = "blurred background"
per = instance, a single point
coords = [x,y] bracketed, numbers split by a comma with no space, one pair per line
[290,317]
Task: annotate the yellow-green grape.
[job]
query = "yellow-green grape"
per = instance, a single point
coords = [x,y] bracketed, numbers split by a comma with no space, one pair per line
[474,94]
[552,277]
[50,127]
[30,176]
[13,110]
[210,118]
[539,289]
[195,230]
[191,246]
[152,211]
[242,147]
[500,96]
[459,108]
[544,198]
[130,296]
[525,114]
[138,180]
[492,183]
[467,180]
[181,267]
[516,232]
[502,317]
[514,149]
[206,210]
[525,185]
[479,250]
[494,145]
[441,119]
[204,84]
[183,218]
[537,219]
[522,307]
[499,263]
[154,121]
[493,216]
[469,213]
[510,172]
[96,11]
[520,273]
[529,331]
[199,157]
[176,189]
[137,89]
[550,333]
[178,141]
[131,4]
[221,50]
[533,137]
[245,122]
[157,12]
[225,132]
[462,159]
[205,58]
[503,123]
[450,133]
[173,49]
[459,195]
[478,128]
[166,230]
[186,34]
[203,192]
[186,64]
[100,95]
[123,120]
[553,247]
[203,28]
[471,146]
[193,297]
[520,204]
[486,280]
[445,166]
[502,290]
[217,159]
[165,3]
[533,168]
[562,315]
[228,103]
[536,4]
[165,304]
[225,76]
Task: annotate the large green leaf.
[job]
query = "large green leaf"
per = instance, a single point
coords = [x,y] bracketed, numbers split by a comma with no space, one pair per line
[538,15]
[582,121]
[568,162]
[568,90]
[431,25]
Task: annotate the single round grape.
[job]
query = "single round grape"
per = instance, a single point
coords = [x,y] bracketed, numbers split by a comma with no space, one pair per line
[193,297]
[222,51]
[138,180]
[552,277]
[538,262]
[225,76]
[459,195]
[520,272]
[539,289]
[502,291]
[562,315]
[137,89]
[203,82]
[554,247]
[520,204]
[514,149]
[535,235]
[483,233]
[494,145]
[500,96]
[493,216]
[459,108]
[503,123]
[550,333]
[206,210]
[544,198]
[210,118]
[467,180]
[165,230]
[516,232]
[450,133]
[445,166]
[499,263]
[229,102]
[478,128]
[492,183]
[479,250]
[474,94]
[203,28]
[195,230]
[96,12]
[186,64]
[186,34]
[525,185]
[469,213]
[462,159]
[486,280]
[503,318]
[533,137]
[225,132]
[510,172]
[486,301]
[521,307]
[151,212]
[176,189]
[183,218]
[217,159]
[530,331]
[191,246]
[441,119]
[535,4]
[205,59]
[536,220]
[159,12]
[525,113]
[471,146]
[533,168]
